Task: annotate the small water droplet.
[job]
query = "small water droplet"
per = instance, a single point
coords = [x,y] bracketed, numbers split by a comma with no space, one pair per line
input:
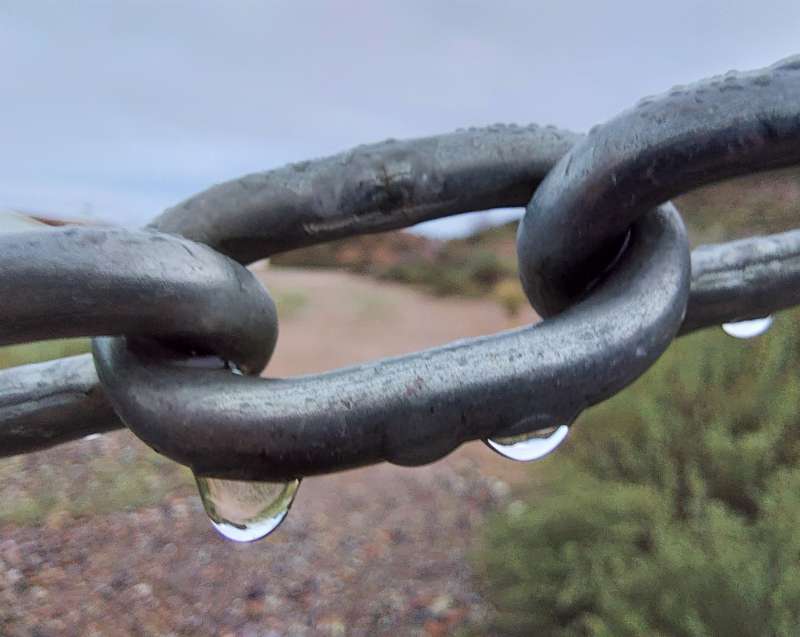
[748,329]
[245,511]
[530,446]
[233,368]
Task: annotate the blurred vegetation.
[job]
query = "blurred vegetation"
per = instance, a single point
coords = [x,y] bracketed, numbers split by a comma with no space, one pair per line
[112,473]
[673,508]
[289,302]
[508,293]
[762,203]
[463,269]
[13,355]
[35,489]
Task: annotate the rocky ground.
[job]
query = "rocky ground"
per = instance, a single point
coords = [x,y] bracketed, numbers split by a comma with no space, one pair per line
[374,552]
[101,537]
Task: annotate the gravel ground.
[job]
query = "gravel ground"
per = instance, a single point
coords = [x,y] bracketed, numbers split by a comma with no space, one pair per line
[379,551]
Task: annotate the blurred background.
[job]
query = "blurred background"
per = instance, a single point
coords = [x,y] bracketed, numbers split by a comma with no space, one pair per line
[670,510]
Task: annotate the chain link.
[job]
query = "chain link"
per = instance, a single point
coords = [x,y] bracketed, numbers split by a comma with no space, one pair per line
[664,146]
[597,253]
[79,281]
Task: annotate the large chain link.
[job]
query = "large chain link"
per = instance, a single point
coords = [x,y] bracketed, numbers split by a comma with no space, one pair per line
[597,253]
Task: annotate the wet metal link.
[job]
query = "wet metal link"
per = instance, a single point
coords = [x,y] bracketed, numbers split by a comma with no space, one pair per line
[601,255]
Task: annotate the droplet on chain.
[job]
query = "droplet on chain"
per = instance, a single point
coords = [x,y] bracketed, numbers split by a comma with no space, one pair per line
[245,511]
[233,368]
[529,446]
[748,329]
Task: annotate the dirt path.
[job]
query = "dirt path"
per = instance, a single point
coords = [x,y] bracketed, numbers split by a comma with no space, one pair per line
[346,319]
[377,551]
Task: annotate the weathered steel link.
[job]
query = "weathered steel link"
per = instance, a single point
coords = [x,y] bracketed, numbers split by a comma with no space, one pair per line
[45,404]
[372,188]
[98,281]
[416,408]
[744,279]
[692,135]
[89,281]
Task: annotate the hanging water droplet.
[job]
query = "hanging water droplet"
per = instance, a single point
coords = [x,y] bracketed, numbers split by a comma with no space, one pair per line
[232,367]
[748,329]
[245,511]
[529,446]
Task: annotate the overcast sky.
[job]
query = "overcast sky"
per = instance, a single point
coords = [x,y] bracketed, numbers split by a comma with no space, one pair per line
[117,110]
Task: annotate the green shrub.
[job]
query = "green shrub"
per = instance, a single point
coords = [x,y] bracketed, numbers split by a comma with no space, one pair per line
[289,303]
[672,511]
[485,268]
[508,293]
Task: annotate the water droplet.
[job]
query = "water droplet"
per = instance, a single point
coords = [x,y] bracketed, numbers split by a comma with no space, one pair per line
[748,329]
[530,446]
[233,368]
[91,437]
[245,511]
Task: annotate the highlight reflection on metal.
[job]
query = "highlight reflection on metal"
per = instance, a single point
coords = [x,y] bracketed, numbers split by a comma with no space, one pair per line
[612,323]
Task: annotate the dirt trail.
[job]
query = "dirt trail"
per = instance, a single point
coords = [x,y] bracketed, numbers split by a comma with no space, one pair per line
[349,319]
[381,550]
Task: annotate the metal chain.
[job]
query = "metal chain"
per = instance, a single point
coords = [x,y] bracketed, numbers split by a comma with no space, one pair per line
[79,281]
[596,254]
[416,408]
[692,135]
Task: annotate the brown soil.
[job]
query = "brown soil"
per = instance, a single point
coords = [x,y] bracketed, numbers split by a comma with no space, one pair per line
[377,551]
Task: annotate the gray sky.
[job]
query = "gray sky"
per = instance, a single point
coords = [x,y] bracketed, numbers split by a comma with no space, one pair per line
[120,109]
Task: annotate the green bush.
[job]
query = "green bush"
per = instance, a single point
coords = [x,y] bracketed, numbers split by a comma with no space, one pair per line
[508,293]
[674,508]
[485,268]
